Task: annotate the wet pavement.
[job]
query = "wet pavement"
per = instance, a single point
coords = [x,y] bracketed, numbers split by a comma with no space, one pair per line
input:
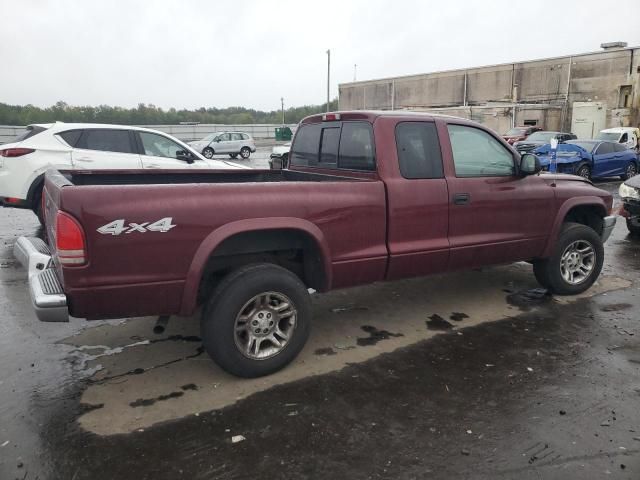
[477,374]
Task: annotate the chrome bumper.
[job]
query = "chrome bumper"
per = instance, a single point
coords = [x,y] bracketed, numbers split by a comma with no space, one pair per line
[47,295]
[608,223]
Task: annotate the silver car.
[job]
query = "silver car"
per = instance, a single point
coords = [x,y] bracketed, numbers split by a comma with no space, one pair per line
[231,143]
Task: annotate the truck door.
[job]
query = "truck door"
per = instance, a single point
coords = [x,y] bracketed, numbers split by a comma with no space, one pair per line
[417,198]
[495,216]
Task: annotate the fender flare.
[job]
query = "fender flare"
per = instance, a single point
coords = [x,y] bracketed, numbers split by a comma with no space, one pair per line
[586,201]
[215,238]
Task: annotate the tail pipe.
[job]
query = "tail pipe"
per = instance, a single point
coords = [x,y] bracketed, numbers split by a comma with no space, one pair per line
[161,324]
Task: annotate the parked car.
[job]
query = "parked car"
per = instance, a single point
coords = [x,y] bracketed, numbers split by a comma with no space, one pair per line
[591,159]
[69,146]
[627,136]
[231,143]
[518,134]
[279,156]
[630,195]
[367,196]
[538,139]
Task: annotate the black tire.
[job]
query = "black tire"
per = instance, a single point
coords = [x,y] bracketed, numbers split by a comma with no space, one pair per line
[230,299]
[36,207]
[245,152]
[630,171]
[233,155]
[208,152]
[548,271]
[584,171]
[633,229]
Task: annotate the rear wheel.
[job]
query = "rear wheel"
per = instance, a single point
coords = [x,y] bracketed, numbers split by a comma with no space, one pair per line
[208,152]
[575,263]
[37,207]
[257,320]
[630,171]
[245,152]
[584,171]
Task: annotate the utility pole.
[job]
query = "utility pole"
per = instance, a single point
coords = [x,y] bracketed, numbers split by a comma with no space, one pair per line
[328,77]
[355,71]
[282,106]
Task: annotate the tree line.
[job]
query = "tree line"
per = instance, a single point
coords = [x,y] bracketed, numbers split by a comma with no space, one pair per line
[148,114]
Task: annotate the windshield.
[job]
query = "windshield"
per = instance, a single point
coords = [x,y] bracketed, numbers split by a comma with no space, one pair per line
[609,136]
[541,136]
[209,138]
[515,131]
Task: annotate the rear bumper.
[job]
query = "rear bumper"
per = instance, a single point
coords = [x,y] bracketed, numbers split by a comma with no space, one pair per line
[608,223]
[47,296]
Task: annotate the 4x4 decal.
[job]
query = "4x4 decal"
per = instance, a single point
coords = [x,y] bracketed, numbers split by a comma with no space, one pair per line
[121,226]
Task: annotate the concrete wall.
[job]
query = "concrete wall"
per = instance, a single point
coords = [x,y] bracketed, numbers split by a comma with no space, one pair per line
[538,90]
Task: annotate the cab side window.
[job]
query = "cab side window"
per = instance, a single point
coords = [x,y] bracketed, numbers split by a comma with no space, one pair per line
[476,153]
[418,147]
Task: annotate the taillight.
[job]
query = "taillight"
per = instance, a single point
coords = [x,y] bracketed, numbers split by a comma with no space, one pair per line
[70,243]
[330,117]
[15,152]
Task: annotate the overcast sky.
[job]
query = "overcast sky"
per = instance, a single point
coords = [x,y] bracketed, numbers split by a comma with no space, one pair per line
[192,53]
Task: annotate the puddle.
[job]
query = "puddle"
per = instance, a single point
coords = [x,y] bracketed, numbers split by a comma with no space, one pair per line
[375,336]
[325,351]
[436,322]
[458,316]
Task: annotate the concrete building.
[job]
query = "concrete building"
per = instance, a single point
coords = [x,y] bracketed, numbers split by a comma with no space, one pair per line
[583,93]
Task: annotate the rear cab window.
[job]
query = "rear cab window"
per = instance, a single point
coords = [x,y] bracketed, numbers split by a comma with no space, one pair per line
[418,146]
[347,145]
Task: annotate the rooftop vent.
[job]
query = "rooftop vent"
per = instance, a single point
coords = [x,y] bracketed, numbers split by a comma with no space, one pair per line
[613,45]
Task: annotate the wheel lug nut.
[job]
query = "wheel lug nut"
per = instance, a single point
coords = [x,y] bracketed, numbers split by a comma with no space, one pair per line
[254,323]
[260,315]
[271,323]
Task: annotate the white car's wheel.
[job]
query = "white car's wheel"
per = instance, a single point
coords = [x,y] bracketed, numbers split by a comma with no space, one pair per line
[208,152]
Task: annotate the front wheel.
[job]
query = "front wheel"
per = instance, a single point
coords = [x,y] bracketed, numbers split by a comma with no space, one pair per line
[208,152]
[575,263]
[630,171]
[257,320]
[245,152]
[633,225]
[584,171]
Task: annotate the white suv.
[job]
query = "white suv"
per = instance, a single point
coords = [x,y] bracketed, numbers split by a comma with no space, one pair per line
[83,146]
[231,143]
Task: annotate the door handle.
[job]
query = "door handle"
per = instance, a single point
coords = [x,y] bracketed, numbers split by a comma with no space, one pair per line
[461,198]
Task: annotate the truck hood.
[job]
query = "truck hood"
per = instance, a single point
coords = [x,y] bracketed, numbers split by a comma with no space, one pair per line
[563,177]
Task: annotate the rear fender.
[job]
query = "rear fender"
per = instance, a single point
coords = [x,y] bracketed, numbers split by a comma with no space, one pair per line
[215,238]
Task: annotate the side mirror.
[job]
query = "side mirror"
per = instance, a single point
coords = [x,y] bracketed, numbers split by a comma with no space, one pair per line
[529,164]
[185,156]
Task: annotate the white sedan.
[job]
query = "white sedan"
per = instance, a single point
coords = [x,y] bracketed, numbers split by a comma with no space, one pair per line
[83,146]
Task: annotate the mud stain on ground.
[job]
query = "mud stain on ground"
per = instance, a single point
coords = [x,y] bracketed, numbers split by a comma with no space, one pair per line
[615,307]
[436,322]
[375,336]
[325,351]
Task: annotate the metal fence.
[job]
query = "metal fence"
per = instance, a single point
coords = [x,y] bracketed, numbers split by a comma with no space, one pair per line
[185,133]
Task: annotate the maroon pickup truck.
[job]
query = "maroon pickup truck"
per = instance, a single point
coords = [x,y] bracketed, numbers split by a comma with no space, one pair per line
[367,196]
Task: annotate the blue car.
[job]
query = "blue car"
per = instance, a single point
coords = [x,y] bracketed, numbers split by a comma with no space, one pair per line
[590,159]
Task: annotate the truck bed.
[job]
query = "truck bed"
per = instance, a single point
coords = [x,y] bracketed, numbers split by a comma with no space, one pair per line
[146,269]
